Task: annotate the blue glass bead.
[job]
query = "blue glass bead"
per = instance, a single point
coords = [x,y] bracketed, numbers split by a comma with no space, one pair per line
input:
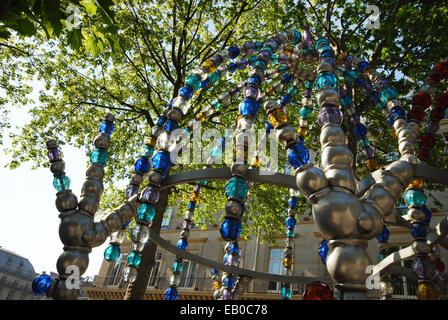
[186,92]
[258,45]
[134,259]
[215,104]
[301,139]
[170,125]
[362,66]
[191,205]
[141,165]
[290,233]
[359,82]
[418,230]
[243,208]
[230,229]
[171,104]
[326,79]
[161,160]
[428,214]
[350,76]
[177,267]
[234,248]
[127,223]
[360,131]
[305,112]
[286,292]
[296,38]
[203,182]
[226,256]
[291,222]
[346,101]
[298,155]
[112,252]
[268,126]
[41,284]
[293,202]
[147,151]
[327,53]
[322,49]
[249,106]
[236,188]
[329,114]
[397,112]
[390,121]
[99,155]
[286,78]
[374,96]
[229,282]
[61,182]
[388,93]
[285,100]
[171,293]
[234,51]
[161,121]
[252,60]
[322,41]
[182,244]
[146,212]
[214,76]
[323,251]
[232,66]
[254,79]
[204,84]
[214,271]
[194,81]
[384,235]
[415,197]
[107,126]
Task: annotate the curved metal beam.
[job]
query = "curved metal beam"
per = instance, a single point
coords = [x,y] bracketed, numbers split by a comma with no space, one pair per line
[229,269]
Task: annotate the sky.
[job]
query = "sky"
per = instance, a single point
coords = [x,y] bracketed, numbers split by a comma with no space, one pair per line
[29,222]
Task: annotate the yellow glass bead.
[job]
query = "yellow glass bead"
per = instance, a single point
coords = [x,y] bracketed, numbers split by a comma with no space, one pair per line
[194,197]
[216,285]
[302,131]
[277,117]
[287,50]
[416,183]
[200,117]
[427,291]
[371,164]
[256,162]
[270,91]
[238,118]
[395,134]
[369,71]
[288,262]
[209,65]
[339,59]
[151,141]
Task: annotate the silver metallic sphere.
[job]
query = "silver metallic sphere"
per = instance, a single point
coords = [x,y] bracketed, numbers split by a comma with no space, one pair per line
[270,105]
[336,155]
[348,264]
[402,170]
[383,199]
[57,167]
[71,258]
[421,247]
[238,169]
[95,171]
[341,177]
[66,200]
[175,114]
[233,208]
[155,177]
[332,132]
[310,180]
[89,204]
[102,141]
[328,95]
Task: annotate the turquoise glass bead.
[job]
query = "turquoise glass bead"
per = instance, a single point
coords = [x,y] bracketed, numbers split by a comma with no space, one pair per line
[274,59]
[350,76]
[364,142]
[134,259]
[214,76]
[146,212]
[381,257]
[112,252]
[236,188]
[388,93]
[147,151]
[305,112]
[309,84]
[194,81]
[346,101]
[252,60]
[326,79]
[286,292]
[260,63]
[215,104]
[100,156]
[177,267]
[322,48]
[61,182]
[296,38]
[380,104]
[321,42]
[291,91]
[290,233]
[282,69]
[415,197]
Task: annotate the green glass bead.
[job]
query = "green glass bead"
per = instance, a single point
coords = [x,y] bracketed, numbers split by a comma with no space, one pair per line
[350,76]
[215,104]
[146,212]
[213,77]
[286,293]
[236,188]
[290,233]
[177,267]
[147,151]
[282,69]
[194,81]
[252,60]
[291,91]
[100,156]
[61,182]
[326,79]
[364,142]
[415,197]
[274,59]
[134,259]
[381,257]
[305,112]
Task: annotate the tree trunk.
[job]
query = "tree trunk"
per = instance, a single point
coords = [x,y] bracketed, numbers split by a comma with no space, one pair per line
[136,290]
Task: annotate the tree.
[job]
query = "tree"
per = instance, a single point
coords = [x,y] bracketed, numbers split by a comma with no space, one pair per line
[131,57]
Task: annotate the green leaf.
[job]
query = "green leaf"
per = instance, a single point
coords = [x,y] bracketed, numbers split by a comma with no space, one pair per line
[90,6]
[75,38]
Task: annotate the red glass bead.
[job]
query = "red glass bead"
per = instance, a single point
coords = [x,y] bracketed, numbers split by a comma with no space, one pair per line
[318,291]
[435,76]
[423,154]
[437,114]
[442,100]
[416,113]
[427,140]
[422,99]
[440,265]
[442,69]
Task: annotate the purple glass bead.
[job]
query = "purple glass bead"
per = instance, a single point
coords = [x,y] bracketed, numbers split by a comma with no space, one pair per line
[329,60]
[132,190]
[368,152]
[355,119]
[54,154]
[264,55]
[186,225]
[197,188]
[242,63]
[330,114]
[227,294]
[306,36]
[425,268]
[151,194]
[251,92]
[249,46]
[232,260]
[283,58]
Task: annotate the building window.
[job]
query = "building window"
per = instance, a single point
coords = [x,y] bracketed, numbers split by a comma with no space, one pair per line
[116,274]
[10,295]
[404,288]
[187,275]
[276,258]
[155,271]
[166,219]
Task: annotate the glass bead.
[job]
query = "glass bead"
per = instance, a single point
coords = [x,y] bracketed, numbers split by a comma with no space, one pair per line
[140,233]
[440,266]
[132,190]
[384,235]
[151,141]
[234,248]
[186,92]
[288,262]
[293,202]
[326,79]
[54,154]
[191,205]
[427,140]
[242,63]
[209,65]
[350,76]
[427,291]
[234,51]
[291,222]
[161,160]
[286,78]
[305,112]
[318,291]
[236,188]
[388,93]
[381,256]
[260,63]
[142,165]
[346,101]
[437,114]
[360,131]
[112,252]
[285,100]
[428,214]
[416,183]
[330,114]
[230,229]
[302,131]
[194,81]
[417,114]
[204,83]
[418,230]
[99,156]
[41,284]
[106,126]
[249,107]
[442,100]
[298,155]
[134,259]
[251,92]
[323,251]
[290,233]
[297,37]
[129,274]
[147,151]
[286,292]
[182,244]
[150,194]
[177,267]
[363,66]
[415,197]
[61,182]
[422,99]
[216,285]
[171,294]
[364,142]
[368,152]
[146,212]
[372,164]
[227,294]
[423,154]
[170,125]
[424,268]
[277,117]
[194,197]
[213,77]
